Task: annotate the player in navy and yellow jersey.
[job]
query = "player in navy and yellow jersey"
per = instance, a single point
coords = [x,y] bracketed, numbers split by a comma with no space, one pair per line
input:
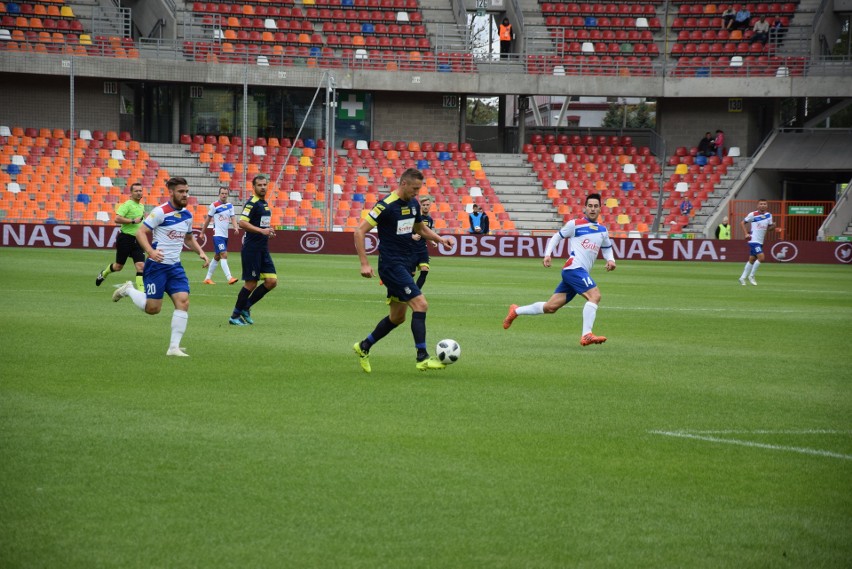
[129,216]
[397,217]
[420,243]
[256,221]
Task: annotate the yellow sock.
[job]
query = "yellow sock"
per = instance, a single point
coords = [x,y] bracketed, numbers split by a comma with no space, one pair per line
[108,270]
[140,285]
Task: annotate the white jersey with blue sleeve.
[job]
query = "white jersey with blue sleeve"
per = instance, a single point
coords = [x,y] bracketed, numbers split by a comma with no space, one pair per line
[760,223]
[169,226]
[586,238]
[220,213]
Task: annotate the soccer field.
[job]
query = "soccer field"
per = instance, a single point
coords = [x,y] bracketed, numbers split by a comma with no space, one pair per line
[713,429]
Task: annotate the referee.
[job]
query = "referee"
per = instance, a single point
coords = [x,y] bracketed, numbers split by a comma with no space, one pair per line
[129,216]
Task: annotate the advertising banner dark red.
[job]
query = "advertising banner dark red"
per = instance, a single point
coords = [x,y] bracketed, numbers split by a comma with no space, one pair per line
[337,243]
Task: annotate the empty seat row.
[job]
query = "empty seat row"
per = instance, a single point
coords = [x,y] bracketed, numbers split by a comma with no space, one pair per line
[763,8]
[612,9]
[634,36]
[259,8]
[35,23]
[37,9]
[590,22]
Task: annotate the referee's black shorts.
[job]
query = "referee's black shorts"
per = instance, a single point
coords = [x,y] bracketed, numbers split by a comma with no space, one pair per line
[127,246]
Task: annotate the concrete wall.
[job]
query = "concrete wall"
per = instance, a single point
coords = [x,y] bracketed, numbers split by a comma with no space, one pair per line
[473,84]
[414,116]
[682,122]
[43,102]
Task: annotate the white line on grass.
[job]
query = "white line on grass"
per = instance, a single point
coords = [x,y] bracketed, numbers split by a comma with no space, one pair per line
[800,450]
[771,432]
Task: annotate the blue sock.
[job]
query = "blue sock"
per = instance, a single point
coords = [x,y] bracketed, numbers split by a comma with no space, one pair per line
[421,279]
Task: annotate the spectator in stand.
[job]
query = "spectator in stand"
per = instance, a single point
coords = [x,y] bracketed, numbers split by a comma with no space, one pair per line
[761,31]
[719,143]
[776,32]
[685,206]
[705,145]
[728,18]
[742,20]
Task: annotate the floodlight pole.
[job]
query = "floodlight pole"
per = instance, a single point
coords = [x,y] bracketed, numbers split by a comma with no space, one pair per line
[330,148]
[244,190]
[73,178]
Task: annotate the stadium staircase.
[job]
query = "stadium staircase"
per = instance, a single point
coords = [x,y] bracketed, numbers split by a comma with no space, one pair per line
[520,192]
[203,184]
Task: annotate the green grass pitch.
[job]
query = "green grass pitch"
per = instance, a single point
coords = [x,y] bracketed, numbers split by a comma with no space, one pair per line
[713,429]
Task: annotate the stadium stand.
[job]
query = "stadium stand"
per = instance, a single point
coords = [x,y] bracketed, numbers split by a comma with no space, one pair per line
[368,34]
[53,27]
[697,178]
[572,167]
[35,174]
[600,39]
[363,173]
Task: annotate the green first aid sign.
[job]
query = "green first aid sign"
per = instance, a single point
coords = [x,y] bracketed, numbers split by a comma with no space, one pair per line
[351,106]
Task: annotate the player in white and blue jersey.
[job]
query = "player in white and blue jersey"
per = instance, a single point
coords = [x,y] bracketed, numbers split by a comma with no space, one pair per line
[761,222]
[221,213]
[396,218]
[586,237]
[162,235]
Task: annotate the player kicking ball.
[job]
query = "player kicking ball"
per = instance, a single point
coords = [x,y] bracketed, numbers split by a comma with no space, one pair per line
[586,237]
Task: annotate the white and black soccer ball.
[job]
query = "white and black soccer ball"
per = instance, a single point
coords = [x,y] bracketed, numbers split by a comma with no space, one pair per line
[448,351]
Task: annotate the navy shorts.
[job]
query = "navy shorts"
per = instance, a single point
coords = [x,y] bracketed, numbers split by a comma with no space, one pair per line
[220,244]
[399,282]
[423,256]
[164,279]
[257,265]
[574,282]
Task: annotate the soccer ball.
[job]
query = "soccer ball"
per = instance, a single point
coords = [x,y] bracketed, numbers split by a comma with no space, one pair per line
[448,351]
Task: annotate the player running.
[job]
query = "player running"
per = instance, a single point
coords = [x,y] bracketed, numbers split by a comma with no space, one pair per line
[162,235]
[221,213]
[586,237]
[761,222]
[397,216]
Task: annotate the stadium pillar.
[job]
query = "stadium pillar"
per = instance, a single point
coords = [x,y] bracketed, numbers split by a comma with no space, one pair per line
[462,119]
[177,97]
[501,122]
